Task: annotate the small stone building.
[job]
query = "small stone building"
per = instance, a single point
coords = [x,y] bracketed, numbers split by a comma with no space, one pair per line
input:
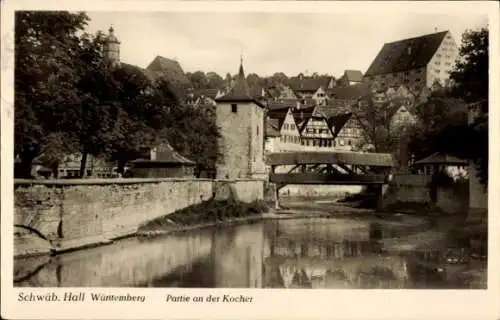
[164,162]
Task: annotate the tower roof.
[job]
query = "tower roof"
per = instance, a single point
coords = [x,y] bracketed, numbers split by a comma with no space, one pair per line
[406,54]
[111,38]
[240,91]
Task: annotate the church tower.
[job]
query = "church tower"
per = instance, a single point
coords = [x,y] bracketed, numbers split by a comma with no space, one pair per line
[112,48]
[240,118]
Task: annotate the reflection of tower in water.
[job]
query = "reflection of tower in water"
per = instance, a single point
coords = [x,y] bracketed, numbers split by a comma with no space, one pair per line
[238,258]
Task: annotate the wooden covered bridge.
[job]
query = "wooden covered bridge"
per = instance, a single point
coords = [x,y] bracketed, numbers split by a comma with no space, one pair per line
[329,168]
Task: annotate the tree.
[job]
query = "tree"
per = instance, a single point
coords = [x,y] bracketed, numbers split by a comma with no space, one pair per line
[198,79]
[441,120]
[45,80]
[193,133]
[279,78]
[253,80]
[470,75]
[214,80]
[141,115]
[375,119]
[470,80]
[99,106]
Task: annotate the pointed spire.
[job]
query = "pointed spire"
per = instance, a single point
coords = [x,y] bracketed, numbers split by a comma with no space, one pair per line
[241,73]
[240,91]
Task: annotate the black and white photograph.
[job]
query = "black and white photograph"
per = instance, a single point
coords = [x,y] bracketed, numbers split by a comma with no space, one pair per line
[240,149]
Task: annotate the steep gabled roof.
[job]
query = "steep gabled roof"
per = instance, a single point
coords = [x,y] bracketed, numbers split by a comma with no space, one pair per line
[240,91]
[338,122]
[302,115]
[331,110]
[165,153]
[277,112]
[406,54]
[273,127]
[349,92]
[353,75]
[170,70]
[309,83]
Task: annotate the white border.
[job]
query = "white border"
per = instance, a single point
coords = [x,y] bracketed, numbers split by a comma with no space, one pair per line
[292,304]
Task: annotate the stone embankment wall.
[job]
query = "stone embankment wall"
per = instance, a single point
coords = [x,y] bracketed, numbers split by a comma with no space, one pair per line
[408,188]
[478,196]
[76,213]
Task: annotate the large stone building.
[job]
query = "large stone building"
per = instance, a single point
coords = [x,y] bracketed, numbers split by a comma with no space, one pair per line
[240,118]
[415,62]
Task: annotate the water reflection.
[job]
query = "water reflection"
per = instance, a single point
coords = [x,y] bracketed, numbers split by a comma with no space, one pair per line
[302,253]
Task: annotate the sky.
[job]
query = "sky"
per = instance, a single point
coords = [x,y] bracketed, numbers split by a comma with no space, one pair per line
[327,43]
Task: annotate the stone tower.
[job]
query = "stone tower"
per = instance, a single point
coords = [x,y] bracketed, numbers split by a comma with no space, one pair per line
[240,118]
[112,48]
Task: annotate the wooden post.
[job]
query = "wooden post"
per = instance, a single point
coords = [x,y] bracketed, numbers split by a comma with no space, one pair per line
[380,197]
[277,197]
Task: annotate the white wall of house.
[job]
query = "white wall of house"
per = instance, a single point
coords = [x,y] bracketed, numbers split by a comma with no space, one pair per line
[289,134]
[442,62]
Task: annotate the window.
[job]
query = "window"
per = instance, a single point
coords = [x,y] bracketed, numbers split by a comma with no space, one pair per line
[234,108]
[302,142]
[349,142]
[437,63]
[293,127]
[438,55]
[437,70]
[257,131]
[406,73]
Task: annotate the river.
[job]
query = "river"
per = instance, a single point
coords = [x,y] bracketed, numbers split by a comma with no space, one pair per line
[338,252]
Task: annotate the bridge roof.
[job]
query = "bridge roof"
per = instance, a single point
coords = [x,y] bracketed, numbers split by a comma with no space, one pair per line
[334,157]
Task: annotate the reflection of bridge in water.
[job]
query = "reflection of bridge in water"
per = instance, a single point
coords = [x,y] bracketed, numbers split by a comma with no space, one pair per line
[326,256]
[285,254]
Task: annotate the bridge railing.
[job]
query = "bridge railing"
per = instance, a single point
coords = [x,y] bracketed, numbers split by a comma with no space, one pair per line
[348,158]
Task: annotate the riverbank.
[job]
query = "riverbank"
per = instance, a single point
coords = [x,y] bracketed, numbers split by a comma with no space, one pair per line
[223,213]
[207,213]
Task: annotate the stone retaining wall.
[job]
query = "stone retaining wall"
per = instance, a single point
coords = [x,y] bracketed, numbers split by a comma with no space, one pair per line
[411,188]
[75,213]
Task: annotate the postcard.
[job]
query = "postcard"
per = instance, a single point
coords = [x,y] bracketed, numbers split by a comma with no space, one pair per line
[263,159]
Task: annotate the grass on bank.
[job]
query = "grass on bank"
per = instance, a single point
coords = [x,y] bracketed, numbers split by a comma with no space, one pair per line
[210,211]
